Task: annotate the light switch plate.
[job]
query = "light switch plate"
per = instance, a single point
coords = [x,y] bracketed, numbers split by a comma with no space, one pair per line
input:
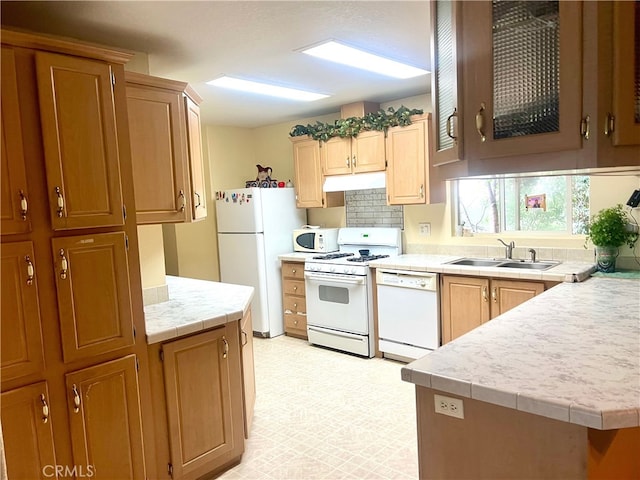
[424,229]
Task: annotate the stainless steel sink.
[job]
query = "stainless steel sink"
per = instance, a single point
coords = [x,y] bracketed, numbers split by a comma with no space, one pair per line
[503,262]
[528,265]
[477,262]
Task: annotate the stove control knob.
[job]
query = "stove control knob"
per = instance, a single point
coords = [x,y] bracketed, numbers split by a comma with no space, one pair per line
[423,283]
[332,269]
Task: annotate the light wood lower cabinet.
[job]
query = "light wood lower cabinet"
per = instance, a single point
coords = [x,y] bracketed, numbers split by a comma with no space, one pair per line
[27,431]
[105,420]
[248,372]
[294,301]
[468,302]
[198,403]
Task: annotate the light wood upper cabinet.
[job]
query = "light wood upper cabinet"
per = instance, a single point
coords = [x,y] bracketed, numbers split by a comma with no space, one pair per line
[204,401]
[309,178]
[360,154]
[80,141]
[94,298]
[626,73]
[13,190]
[468,302]
[105,420]
[522,87]
[196,160]
[407,179]
[27,431]
[166,150]
[446,81]
[21,337]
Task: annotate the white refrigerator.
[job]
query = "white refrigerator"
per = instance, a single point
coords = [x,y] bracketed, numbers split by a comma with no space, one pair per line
[255,225]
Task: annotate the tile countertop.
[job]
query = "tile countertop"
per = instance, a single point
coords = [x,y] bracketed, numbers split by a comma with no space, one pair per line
[564,272]
[571,353]
[195,305]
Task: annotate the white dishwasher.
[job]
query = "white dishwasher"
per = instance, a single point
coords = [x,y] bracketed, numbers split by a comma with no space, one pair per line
[408,313]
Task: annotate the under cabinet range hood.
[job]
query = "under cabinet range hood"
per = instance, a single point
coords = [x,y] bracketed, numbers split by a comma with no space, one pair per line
[356,181]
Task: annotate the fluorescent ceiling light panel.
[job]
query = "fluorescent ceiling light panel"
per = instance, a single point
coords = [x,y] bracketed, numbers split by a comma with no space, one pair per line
[265,89]
[339,53]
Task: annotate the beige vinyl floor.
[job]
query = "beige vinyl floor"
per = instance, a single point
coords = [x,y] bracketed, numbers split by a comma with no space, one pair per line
[322,414]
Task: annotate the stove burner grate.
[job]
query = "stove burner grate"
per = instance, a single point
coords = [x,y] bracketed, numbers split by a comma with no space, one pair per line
[368,258]
[332,256]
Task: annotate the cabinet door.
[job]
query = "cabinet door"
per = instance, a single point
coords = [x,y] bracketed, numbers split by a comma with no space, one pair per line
[196,164]
[507,294]
[465,305]
[626,73]
[406,169]
[21,336]
[80,141]
[368,152]
[306,163]
[104,418]
[159,154]
[335,156]
[248,372]
[446,84]
[27,434]
[94,299]
[198,373]
[13,191]
[522,80]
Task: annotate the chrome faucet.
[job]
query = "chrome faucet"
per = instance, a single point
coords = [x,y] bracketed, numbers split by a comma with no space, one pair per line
[508,248]
[532,254]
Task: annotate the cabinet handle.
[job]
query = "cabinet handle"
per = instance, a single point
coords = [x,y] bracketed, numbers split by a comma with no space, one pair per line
[60,200]
[494,294]
[245,339]
[76,399]
[348,162]
[293,271]
[421,190]
[609,124]
[199,202]
[449,129]
[295,305]
[295,322]
[480,122]
[354,161]
[585,130]
[295,288]
[23,205]
[484,294]
[45,408]
[30,270]
[181,197]
[225,347]
[64,265]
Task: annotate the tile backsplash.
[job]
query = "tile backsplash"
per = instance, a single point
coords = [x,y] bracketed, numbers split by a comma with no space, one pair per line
[368,208]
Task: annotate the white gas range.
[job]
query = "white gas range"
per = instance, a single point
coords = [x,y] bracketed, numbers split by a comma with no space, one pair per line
[339,289]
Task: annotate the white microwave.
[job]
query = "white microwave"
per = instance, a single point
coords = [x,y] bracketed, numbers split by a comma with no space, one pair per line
[323,240]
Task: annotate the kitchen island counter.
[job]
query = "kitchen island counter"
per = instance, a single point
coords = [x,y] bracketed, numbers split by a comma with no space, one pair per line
[193,306]
[572,354]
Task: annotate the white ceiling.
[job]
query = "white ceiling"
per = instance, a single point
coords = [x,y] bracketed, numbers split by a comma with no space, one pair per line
[196,41]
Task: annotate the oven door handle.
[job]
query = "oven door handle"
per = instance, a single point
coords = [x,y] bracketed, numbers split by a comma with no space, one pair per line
[334,278]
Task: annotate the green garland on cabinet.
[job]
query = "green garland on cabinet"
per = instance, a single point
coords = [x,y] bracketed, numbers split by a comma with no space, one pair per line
[350,127]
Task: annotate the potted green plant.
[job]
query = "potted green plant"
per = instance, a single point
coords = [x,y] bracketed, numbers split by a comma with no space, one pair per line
[608,231]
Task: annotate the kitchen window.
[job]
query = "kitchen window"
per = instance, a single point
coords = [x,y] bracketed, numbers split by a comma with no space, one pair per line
[544,205]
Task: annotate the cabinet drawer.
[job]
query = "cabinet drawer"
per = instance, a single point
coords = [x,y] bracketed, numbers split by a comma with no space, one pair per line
[293,270]
[296,324]
[293,287]
[294,304]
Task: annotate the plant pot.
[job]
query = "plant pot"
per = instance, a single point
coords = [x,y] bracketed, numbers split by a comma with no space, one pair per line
[606,258]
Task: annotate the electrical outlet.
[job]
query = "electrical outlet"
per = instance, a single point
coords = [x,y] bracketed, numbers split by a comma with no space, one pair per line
[452,407]
[425,229]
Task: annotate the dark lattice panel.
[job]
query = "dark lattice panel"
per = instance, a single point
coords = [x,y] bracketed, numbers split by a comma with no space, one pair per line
[526,68]
[445,71]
